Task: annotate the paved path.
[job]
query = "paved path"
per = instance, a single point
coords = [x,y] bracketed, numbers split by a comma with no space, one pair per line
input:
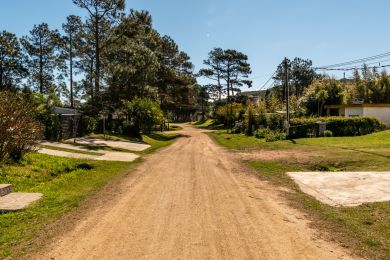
[105,155]
[132,146]
[192,200]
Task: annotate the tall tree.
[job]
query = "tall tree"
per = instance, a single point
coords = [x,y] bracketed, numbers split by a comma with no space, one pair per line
[41,46]
[203,99]
[132,63]
[300,74]
[11,61]
[214,72]
[73,29]
[235,72]
[101,12]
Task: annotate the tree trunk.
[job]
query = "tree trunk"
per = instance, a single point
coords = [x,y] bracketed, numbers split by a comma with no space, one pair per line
[219,88]
[228,99]
[71,69]
[40,66]
[1,76]
[97,58]
[91,81]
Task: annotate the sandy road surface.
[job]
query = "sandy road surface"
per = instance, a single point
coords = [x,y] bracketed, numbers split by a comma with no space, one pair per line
[192,200]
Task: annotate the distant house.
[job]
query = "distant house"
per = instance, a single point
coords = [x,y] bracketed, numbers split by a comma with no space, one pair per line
[254,96]
[380,111]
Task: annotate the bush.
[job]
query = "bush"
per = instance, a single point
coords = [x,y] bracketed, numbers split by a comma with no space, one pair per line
[250,119]
[88,124]
[275,121]
[273,136]
[262,133]
[43,107]
[328,133]
[130,129]
[19,128]
[238,127]
[238,110]
[339,126]
[53,130]
[143,113]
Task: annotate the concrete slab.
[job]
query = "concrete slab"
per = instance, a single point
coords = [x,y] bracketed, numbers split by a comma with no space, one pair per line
[5,189]
[132,146]
[118,156]
[107,155]
[17,201]
[344,188]
[69,146]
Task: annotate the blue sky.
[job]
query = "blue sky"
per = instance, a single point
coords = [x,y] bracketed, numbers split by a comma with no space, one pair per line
[327,32]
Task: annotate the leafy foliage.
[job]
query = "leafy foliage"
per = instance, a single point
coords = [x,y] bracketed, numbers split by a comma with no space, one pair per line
[88,124]
[328,91]
[143,113]
[19,129]
[238,110]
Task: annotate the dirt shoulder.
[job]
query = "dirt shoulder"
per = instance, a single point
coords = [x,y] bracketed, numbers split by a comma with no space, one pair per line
[190,200]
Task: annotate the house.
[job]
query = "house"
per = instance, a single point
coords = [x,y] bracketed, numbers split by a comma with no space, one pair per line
[380,111]
[254,96]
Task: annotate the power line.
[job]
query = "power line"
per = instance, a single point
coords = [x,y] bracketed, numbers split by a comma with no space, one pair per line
[363,60]
[351,68]
[268,81]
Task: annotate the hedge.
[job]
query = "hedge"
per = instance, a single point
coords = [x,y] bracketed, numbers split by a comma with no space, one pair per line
[339,126]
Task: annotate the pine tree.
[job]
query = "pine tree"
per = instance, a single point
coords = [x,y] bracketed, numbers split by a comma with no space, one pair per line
[42,48]
[71,47]
[102,14]
[12,69]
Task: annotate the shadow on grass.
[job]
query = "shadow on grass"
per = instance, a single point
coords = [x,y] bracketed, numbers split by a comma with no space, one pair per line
[367,152]
[165,137]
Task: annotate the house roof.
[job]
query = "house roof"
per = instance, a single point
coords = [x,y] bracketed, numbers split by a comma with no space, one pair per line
[357,105]
[66,111]
[256,93]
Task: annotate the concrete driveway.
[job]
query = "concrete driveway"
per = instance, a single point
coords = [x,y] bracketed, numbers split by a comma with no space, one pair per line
[344,188]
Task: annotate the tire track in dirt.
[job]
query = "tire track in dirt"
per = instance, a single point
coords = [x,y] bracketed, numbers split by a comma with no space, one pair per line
[193,200]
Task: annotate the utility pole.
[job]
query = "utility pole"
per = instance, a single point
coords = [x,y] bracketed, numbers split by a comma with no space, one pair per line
[287,91]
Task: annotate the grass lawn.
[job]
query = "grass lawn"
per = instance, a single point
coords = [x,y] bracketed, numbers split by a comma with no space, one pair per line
[65,182]
[208,124]
[366,228]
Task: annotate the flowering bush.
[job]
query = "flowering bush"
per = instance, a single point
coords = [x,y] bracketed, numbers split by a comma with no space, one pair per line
[19,129]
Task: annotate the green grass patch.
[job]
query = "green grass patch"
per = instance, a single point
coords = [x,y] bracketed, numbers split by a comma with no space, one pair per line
[65,183]
[158,140]
[366,228]
[208,124]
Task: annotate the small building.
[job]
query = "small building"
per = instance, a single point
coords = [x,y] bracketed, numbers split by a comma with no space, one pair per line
[380,111]
[69,120]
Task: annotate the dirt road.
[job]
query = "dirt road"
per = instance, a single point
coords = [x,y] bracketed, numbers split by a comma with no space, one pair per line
[192,200]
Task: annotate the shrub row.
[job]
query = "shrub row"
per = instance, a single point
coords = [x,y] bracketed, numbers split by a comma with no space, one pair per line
[339,126]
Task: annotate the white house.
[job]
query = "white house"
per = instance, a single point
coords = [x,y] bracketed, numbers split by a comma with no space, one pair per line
[380,111]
